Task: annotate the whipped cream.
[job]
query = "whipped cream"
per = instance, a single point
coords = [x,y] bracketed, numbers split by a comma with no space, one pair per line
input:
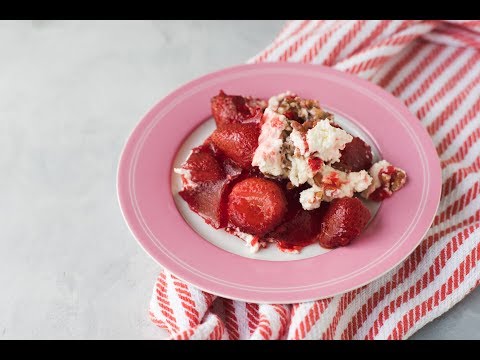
[300,171]
[333,184]
[325,141]
[268,155]
[299,140]
[292,150]
[285,147]
[374,171]
[311,198]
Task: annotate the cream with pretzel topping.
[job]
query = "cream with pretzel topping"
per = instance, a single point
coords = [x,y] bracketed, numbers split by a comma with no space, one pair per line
[303,150]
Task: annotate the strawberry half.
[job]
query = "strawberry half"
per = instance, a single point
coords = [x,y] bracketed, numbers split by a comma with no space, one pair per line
[356,156]
[237,142]
[344,220]
[256,206]
[232,109]
[203,166]
[212,179]
[207,201]
[301,229]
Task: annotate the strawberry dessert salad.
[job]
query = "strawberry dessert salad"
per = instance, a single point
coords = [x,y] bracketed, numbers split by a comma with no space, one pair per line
[282,171]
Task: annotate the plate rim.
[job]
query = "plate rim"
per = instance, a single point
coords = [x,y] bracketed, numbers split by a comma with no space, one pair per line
[392,100]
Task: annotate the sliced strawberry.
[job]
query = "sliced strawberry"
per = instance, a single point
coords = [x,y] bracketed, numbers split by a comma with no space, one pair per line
[238,142]
[207,201]
[256,206]
[203,166]
[212,178]
[344,220]
[231,109]
[301,228]
[380,194]
[356,156]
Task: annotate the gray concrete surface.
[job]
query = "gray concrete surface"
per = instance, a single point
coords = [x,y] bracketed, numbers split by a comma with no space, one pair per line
[70,93]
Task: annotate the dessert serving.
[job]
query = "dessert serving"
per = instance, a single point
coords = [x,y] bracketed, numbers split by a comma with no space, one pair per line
[282,171]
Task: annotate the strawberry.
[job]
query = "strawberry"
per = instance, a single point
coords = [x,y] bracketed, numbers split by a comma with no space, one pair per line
[231,109]
[208,200]
[300,228]
[344,220]
[356,156]
[256,206]
[212,177]
[380,194]
[237,142]
[203,166]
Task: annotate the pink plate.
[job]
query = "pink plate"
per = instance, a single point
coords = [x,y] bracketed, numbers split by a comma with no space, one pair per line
[150,209]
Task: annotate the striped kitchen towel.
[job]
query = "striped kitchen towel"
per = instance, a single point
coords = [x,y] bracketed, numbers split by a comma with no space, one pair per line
[434,68]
